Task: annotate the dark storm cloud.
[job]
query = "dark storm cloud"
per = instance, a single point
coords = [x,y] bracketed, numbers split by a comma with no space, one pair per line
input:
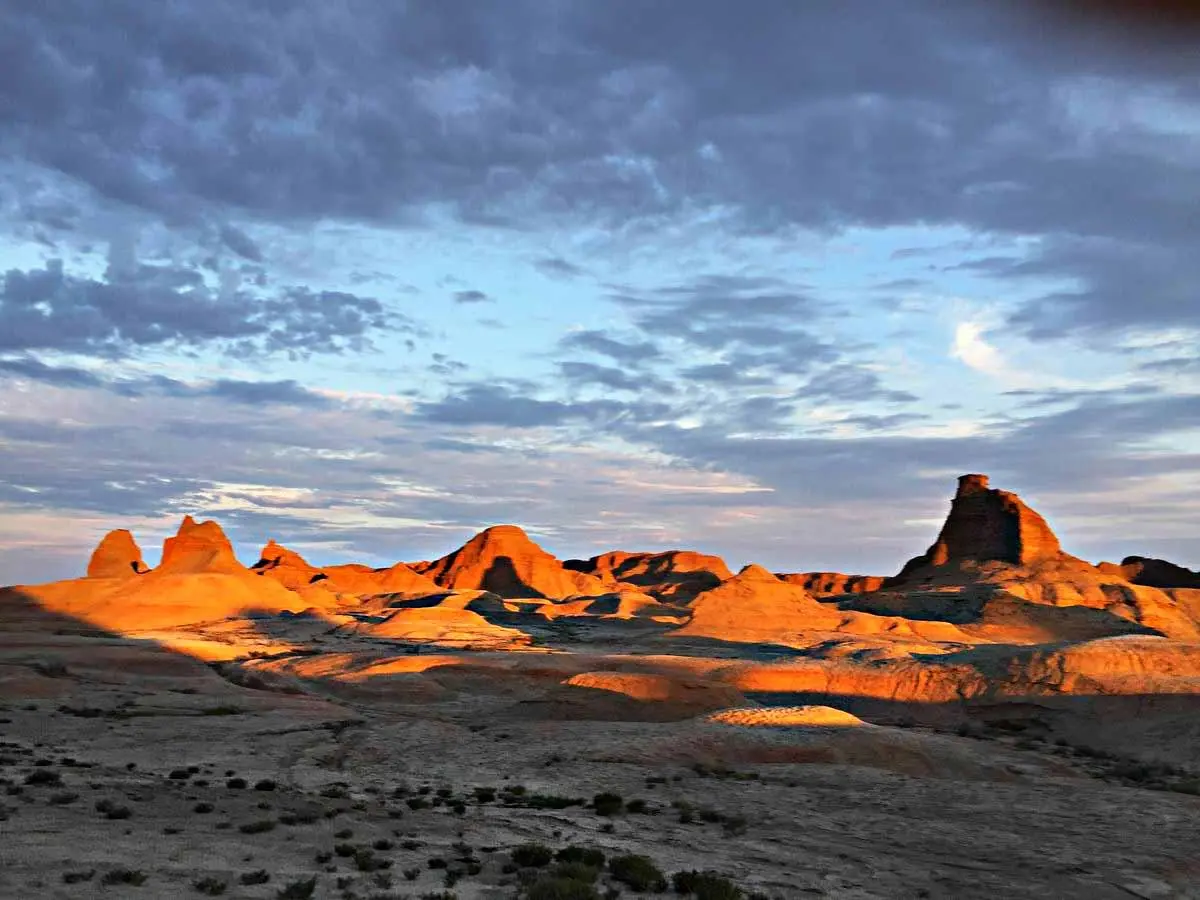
[626,108]
[146,306]
[241,243]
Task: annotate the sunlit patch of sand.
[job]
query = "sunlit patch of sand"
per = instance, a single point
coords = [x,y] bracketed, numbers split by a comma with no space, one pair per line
[786,717]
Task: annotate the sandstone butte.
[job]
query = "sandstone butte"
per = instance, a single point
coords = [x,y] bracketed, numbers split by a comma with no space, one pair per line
[995,573]
[503,560]
[116,556]
[291,570]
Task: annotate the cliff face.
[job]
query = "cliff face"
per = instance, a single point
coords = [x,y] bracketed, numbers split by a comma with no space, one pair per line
[988,525]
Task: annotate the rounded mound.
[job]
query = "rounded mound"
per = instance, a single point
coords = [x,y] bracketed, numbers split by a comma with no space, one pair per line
[786,717]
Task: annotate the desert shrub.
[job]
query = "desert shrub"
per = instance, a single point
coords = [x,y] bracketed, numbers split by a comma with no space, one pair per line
[212,887]
[706,886]
[485,794]
[134,877]
[62,798]
[179,775]
[1191,786]
[345,850]
[735,825]
[262,876]
[637,872]
[265,784]
[77,877]
[576,871]
[259,827]
[202,808]
[545,801]
[366,861]
[636,806]
[323,857]
[300,817]
[236,784]
[532,855]
[43,777]
[589,856]
[222,710]
[344,833]
[298,890]
[549,887]
[112,810]
[445,792]
[607,804]
[459,809]
[412,874]
[436,862]
[415,803]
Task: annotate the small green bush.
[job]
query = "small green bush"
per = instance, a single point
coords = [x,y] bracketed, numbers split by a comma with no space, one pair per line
[259,827]
[637,872]
[298,890]
[706,886]
[589,856]
[262,876]
[211,887]
[607,804]
[549,887]
[532,856]
[123,876]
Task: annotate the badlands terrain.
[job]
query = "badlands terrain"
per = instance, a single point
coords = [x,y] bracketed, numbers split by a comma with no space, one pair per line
[998,719]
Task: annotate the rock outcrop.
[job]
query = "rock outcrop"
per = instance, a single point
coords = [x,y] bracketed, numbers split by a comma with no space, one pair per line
[987,525]
[116,556]
[198,547]
[671,575]
[291,570]
[826,584]
[503,560]
[1150,572]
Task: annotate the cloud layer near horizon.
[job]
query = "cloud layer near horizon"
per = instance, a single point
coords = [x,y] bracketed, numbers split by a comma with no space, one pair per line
[366,278]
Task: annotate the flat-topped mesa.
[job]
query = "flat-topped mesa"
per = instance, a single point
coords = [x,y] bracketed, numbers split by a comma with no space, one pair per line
[198,547]
[116,556]
[503,560]
[989,525]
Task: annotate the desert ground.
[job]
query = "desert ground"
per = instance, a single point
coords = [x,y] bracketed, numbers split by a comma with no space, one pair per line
[999,719]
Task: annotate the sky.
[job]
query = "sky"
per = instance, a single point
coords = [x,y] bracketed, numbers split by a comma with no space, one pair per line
[755,279]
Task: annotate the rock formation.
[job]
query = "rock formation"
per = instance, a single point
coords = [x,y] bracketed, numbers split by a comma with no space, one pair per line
[198,547]
[1149,572]
[987,525]
[291,570]
[502,559]
[674,574]
[824,584]
[116,556]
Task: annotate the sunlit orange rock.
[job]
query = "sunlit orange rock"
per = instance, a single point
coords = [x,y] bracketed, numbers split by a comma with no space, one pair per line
[503,560]
[198,547]
[116,556]
[291,570]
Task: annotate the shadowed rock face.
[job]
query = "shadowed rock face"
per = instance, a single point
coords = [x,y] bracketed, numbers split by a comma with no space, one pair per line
[822,584]
[674,574]
[116,556]
[1150,572]
[988,525]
